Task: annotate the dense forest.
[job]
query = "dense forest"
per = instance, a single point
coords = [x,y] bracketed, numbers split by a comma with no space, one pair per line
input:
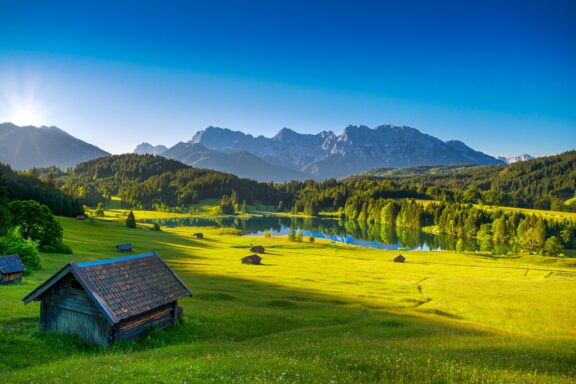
[542,183]
[153,182]
[26,225]
[32,185]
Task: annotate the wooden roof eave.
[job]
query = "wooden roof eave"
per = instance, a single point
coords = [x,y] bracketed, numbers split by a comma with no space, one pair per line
[70,268]
[37,293]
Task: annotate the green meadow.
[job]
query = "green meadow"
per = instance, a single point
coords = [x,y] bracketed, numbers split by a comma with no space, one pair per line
[312,313]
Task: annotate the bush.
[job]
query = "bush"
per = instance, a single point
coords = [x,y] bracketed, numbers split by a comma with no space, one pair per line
[155,227]
[311,239]
[552,246]
[27,249]
[267,233]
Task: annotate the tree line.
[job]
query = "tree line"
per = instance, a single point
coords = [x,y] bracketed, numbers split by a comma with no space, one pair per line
[541,183]
[41,187]
[153,182]
[27,226]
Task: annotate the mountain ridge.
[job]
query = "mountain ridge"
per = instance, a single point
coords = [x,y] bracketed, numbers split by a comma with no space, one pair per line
[25,147]
[327,155]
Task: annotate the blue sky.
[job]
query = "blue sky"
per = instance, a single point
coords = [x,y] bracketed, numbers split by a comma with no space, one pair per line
[498,75]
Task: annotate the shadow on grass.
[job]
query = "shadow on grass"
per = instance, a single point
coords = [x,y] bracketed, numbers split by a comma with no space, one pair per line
[256,317]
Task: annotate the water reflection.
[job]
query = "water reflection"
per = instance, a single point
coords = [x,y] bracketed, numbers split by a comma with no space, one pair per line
[338,230]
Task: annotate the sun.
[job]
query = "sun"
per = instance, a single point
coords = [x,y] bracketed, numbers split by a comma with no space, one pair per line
[26,114]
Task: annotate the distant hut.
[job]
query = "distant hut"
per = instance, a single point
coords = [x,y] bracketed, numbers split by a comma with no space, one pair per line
[252,259]
[108,300]
[127,247]
[11,268]
[81,217]
[399,259]
[198,235]
[257,249]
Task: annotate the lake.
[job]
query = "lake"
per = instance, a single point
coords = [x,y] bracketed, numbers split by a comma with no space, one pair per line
[337,230]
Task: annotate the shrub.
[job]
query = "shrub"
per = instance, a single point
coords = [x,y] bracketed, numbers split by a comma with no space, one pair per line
[156,227]
[27,249]
[311,239]
[552,246]
[267,233]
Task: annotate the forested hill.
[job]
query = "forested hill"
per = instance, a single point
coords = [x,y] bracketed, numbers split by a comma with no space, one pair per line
[546,182]
[28,186]
[150,181]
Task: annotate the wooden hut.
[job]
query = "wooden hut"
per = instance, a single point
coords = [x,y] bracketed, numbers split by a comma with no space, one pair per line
[127,247]
[11,268]
[252,259]
[198,235]
[399,259]
[108,300]
[257,249]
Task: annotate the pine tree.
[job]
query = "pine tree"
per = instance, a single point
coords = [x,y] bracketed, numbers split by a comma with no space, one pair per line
[291,234]
[131,220]
[299,237]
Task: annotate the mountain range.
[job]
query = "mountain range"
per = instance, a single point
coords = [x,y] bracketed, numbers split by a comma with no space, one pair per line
[290,155]
[516,159]
[27,147]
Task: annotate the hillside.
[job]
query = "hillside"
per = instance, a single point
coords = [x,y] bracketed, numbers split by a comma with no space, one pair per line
[323,313]
[241,163]
[545,182]
[293,156]
[27,147]
[148,181]
[26,186]
[411,171]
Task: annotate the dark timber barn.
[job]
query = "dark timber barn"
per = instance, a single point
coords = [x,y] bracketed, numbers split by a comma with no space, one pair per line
[11,268]
[108,300]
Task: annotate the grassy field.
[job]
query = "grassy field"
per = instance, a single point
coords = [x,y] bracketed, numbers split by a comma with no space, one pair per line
[313,313]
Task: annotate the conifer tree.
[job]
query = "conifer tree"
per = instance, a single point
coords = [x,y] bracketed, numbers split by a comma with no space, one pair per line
[131,220]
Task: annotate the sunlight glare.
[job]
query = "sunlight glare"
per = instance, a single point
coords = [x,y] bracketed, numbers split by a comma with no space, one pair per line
[21,99]
[26,115]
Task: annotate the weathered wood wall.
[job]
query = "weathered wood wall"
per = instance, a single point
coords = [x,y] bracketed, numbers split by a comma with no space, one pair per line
[67,309]
[11,278]
[161,317]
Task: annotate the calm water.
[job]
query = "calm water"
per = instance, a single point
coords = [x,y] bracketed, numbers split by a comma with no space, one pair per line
[342,231]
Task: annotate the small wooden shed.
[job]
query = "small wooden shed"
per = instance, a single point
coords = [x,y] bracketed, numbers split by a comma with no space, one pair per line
[257,249]
[252,259]
[11,269]
[127,247]
[108,300]
[198,235]
[399,259]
